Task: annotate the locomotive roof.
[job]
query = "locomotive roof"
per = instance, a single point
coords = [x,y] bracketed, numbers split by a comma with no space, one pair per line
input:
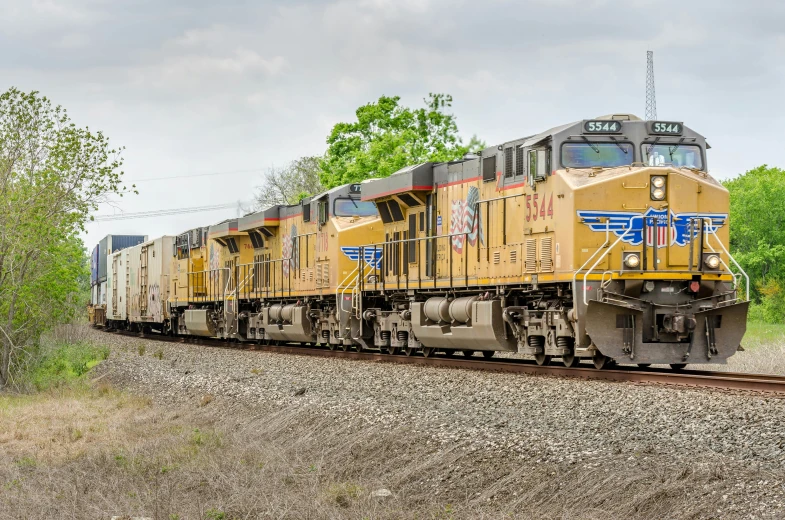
[424,176]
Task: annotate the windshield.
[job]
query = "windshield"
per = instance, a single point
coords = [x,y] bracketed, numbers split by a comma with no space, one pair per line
[354,208]
[687,155]
[589,155]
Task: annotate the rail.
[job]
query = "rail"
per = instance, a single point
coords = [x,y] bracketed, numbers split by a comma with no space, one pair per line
[771,384]
[706,230]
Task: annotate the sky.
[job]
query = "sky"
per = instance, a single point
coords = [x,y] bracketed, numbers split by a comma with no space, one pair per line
[195,87]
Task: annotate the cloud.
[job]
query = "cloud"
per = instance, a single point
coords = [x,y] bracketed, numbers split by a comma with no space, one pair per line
[195,85]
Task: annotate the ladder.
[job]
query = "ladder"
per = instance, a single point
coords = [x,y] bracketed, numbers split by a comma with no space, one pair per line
[114,285]
[143,282]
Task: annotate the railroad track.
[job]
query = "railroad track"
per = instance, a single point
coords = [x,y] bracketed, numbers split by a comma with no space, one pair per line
[692,378]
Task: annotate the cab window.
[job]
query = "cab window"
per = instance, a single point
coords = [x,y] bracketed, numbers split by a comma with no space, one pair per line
[348,207]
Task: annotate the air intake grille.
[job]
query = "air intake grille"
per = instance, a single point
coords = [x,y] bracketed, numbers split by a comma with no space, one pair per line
[546,254]
[519,161]
[514,256]
[531,255]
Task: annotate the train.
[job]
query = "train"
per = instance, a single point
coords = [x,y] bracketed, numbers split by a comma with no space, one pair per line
[602,241]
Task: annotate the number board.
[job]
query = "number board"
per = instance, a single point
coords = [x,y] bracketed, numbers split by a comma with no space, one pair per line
[665,127]
[601,127]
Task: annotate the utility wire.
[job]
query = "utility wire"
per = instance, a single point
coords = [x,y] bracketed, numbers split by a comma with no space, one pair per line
[153,179]
[166,212]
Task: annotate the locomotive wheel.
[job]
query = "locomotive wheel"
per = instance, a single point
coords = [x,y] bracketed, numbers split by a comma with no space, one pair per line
[467,353]
[678,366]
[359,347]
[394,351]
[409,351]
[542,359]
[570,360]
[644,365]
[449,352]
[332,346]
[345,348]
[600,360]
[428,351]
[488,354]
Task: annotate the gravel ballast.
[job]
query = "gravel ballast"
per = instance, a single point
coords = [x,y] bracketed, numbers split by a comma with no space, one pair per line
[534,419]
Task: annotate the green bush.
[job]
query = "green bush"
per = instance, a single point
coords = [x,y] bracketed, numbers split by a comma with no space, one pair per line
[64,364]
[772,301]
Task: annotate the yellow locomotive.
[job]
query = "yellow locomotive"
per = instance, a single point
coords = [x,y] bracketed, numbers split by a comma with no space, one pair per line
[603,239]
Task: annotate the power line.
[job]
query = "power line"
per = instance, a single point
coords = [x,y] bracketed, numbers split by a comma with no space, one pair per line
[186,176]
[166,212]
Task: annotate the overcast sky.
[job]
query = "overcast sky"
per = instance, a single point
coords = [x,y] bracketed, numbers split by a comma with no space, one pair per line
[191,87]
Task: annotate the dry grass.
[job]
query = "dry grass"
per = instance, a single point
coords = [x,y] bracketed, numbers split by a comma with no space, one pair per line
[97,452]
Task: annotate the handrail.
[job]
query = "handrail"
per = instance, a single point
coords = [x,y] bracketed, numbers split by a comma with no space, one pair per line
[746,276]
[585,301]
[575,275]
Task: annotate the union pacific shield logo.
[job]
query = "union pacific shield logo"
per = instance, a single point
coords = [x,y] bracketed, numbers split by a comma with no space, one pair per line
[657,226]
[372,255]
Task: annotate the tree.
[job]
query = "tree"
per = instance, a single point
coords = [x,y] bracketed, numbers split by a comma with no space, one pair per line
[387,136]
[52,175]
[757,234]
[290,184]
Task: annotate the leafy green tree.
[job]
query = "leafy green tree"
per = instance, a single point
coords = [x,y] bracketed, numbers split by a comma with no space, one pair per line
[387,136]
[757,234]
[290,184]
[52,175]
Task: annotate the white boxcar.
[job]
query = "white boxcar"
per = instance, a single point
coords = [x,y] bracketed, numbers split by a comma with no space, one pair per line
[148,280]
[117,289]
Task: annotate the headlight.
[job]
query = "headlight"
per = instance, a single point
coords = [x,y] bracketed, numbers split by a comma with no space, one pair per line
[657,194]
[658,182]
[632,260]
[712,262]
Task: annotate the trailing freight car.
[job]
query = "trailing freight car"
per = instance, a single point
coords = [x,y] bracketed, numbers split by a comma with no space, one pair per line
[140,296]
[99,274]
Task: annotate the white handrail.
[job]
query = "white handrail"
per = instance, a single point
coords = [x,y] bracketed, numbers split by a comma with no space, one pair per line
[746,277]
[585,301]
[607,239]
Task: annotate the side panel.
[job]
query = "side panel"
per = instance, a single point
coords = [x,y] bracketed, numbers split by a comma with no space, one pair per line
[135,290]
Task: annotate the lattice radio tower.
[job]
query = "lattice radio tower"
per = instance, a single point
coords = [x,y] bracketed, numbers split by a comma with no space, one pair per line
[651,98]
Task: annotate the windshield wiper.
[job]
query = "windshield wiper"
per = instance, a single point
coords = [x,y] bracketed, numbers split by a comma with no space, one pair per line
[619,145]
[355,204]
[593,146]
[671,150]
[648,152]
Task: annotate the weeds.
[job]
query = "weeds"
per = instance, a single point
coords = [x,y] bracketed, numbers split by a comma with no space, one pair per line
[141,349]
[159,354]
[64,365]
[27,462]
[215,514]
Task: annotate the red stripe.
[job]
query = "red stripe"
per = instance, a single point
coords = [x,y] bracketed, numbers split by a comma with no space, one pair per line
[393,192]
[291,216]
[454,183]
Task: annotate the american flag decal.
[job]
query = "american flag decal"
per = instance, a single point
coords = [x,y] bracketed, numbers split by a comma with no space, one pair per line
[289,250]
[465,218]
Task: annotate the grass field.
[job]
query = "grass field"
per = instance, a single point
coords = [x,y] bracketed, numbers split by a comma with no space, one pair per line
[764,351]
[79,448]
